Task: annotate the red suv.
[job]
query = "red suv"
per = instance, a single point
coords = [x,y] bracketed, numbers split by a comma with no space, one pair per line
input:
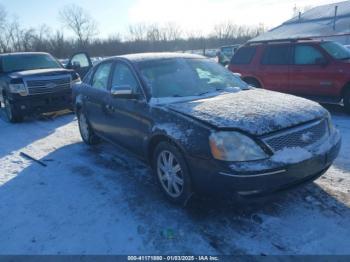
[318,70]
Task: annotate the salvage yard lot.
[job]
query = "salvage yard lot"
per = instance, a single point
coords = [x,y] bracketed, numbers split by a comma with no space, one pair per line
[102,201]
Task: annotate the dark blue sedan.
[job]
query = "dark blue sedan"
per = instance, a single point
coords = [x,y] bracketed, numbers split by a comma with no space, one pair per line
[201,128]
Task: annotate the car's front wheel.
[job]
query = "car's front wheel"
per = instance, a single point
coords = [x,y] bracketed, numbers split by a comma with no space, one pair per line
[11,113]
[172,173]
[86,131]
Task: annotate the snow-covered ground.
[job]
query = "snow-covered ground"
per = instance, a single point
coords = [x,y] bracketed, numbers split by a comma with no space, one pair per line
[102,201]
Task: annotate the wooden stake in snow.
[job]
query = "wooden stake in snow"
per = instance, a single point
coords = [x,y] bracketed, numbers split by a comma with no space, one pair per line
[32,158]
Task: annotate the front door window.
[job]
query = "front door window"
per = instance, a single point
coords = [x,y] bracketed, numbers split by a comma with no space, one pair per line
[307,55]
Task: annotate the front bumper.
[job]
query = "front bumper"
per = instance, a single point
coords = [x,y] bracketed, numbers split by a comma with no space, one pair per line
[260,177]
[43,103]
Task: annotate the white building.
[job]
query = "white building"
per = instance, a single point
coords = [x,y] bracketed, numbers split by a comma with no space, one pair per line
[330,22]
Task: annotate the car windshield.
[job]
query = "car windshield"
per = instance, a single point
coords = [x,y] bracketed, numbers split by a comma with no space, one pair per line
[336,50]
[23,62]
[181,77]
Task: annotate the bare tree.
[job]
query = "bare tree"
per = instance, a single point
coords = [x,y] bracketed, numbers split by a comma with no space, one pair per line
[140,38]
[299,10]
[171,32]
[3,16]
[80,22]
[58,46]
[154,33]
[225,30]
[3,20]
[137,32]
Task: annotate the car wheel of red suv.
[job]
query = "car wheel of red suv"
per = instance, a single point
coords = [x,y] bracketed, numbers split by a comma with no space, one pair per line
[252,82]
[347,101]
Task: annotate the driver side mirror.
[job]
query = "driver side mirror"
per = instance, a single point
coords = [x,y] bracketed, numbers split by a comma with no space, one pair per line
[123,91]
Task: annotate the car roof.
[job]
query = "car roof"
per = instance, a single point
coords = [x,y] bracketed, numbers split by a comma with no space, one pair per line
[141,57]
[235,45]
[285,41]
[24,53]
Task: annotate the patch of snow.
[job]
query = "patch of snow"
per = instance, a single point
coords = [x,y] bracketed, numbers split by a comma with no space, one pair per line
[329,142]
[255,111]
[252,166]
[291,155]
[83,202]
[172,130]
[158,55]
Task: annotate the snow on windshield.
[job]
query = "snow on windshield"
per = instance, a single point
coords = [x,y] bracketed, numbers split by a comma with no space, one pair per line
[179,77]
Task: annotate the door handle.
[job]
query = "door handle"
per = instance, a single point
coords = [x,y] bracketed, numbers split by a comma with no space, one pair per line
[109,108]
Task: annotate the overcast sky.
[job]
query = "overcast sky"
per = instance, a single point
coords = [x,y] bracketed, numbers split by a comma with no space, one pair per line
[114,16]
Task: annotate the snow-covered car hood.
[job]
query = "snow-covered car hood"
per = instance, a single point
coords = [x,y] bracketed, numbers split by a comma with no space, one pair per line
[39,72]
[255,111]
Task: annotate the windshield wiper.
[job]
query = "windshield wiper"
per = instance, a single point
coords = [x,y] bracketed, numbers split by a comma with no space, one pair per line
[207,92]
[204,93]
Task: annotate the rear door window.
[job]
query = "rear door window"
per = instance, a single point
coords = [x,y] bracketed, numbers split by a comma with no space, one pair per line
[306,55]
[276,55]
[244,55]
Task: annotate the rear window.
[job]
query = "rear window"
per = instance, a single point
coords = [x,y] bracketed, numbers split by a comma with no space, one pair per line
[244,55]
[276,55]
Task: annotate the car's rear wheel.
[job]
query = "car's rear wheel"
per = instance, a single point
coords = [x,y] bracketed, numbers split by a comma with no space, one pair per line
[11,113]
[86,131]
[252,82]
[172,173]
[347,101]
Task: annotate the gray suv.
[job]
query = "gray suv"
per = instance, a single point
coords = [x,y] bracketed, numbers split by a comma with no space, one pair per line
[35,83]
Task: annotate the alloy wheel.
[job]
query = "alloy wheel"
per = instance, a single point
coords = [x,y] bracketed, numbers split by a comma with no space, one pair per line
[170,174]
[84,127]
[8,109]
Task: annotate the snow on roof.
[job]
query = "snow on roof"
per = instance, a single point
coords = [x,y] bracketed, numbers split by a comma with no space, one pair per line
[317,22]
[23,53]
[155,56]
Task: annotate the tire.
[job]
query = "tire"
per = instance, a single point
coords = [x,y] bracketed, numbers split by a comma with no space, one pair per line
[172,173]
[12,115]
[346,101]
[86,131]
[253,82]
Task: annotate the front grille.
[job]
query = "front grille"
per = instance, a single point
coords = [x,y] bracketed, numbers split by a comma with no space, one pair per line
[44,85]
[302,136]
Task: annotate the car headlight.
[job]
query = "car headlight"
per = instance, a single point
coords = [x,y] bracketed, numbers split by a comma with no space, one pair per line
[330,123]
[18,89]
[234,146]
[76,81]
